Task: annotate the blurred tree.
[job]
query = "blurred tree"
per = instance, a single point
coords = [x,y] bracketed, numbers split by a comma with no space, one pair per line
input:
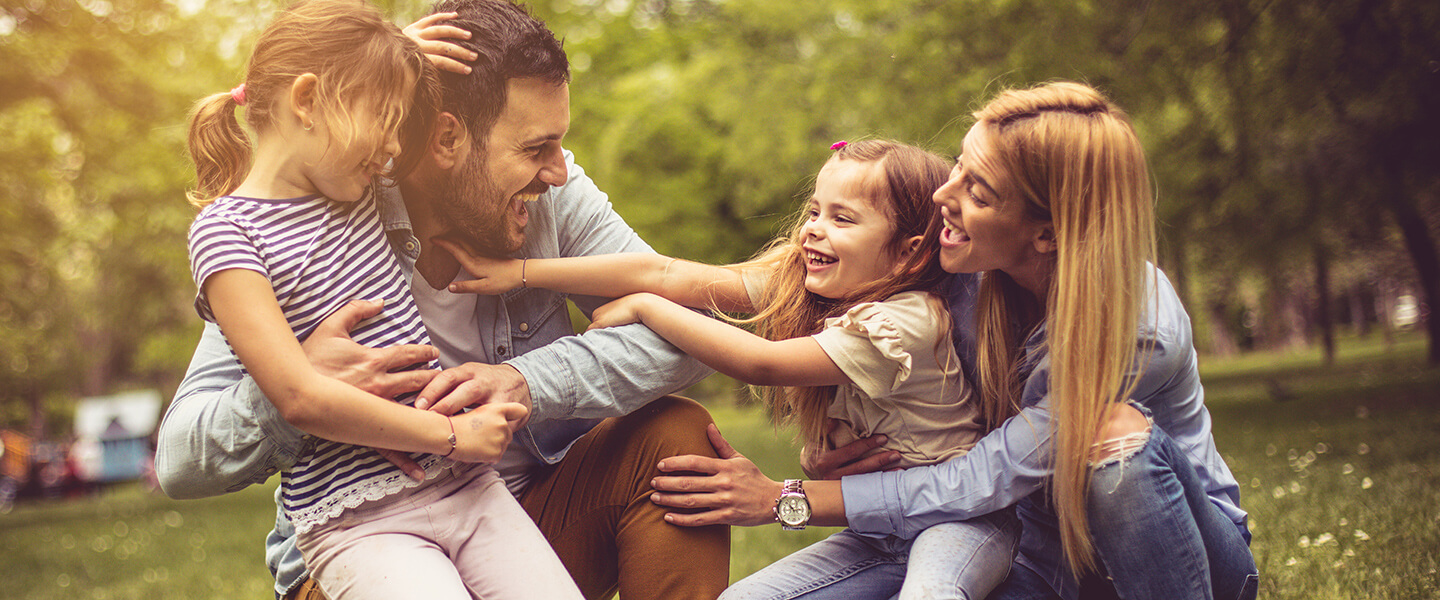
[93,97]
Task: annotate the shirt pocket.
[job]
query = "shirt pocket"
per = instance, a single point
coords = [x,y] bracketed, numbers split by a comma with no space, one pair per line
[537,317]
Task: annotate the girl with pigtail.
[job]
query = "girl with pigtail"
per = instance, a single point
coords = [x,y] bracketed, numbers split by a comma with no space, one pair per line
[289,232]
[853,341]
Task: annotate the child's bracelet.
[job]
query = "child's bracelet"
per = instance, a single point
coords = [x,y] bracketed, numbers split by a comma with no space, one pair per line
[452,439]
[522,273]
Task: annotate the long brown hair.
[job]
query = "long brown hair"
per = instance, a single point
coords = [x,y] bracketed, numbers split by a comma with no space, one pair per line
[911,176]
[353,52]
[1074,159]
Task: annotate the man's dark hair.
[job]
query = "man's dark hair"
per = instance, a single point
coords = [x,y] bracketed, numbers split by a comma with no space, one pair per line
[511,44]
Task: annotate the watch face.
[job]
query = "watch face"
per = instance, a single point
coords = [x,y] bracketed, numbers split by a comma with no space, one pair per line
[793,510]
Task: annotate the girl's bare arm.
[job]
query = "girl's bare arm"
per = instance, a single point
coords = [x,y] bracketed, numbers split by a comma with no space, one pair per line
[244,306]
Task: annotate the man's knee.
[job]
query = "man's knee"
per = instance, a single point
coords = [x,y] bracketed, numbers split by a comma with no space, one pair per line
[672,424]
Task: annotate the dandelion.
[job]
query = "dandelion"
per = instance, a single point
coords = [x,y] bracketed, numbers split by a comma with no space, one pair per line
[1347,469]
[1279,492]
[1348,552]
[1338,564]
[1325,538]
[1322,448]
[1362,536]
[1304,541]
[1366,483]
[1292,562]
[1294,487]
[1363,448]
[1255,483]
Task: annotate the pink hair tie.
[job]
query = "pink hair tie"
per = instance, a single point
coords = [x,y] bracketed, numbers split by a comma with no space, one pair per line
[238,94]
[838,145]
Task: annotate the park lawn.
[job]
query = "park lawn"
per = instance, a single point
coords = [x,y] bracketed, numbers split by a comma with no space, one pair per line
[1338,466]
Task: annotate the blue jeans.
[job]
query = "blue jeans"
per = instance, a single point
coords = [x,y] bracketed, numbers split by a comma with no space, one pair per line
[1156,533]
[963,560]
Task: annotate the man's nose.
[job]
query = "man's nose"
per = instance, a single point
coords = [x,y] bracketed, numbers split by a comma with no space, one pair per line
[553,172]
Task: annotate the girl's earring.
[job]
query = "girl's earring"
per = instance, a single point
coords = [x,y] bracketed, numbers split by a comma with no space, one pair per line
[307,125]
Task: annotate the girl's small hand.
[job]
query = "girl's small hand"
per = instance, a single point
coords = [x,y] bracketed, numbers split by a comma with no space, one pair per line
[624,311]
[481,435]
[492,275]
[431,35]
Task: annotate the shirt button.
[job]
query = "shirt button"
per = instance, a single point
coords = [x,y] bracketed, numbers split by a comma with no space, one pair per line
[524,327]
[500,350]
[410,245]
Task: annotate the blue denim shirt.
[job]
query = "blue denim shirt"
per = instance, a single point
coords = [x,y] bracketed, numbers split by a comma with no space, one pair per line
[221,434]
[1012,462]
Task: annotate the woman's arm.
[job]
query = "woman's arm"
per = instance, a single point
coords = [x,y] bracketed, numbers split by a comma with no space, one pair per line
[724,347]
[610,275]
[244,306]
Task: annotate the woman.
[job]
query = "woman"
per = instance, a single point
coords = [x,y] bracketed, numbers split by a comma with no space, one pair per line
[1051,202]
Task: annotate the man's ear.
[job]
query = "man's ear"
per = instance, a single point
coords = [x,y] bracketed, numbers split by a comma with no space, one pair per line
[449,141]
[1045,239]
[302,99]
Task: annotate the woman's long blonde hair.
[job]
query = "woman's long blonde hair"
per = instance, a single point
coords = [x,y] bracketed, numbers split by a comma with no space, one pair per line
[1074,159]
[903,193]
[353,52]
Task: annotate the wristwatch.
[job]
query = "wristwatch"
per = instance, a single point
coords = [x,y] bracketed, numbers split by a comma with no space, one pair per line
[792,508]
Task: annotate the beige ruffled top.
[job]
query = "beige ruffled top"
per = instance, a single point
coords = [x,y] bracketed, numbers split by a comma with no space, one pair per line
[905,377]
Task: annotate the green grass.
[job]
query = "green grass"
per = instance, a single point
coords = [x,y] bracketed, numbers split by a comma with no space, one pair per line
[1339,468]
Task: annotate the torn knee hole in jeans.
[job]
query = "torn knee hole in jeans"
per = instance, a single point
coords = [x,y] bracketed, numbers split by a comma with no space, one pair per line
[1118,450]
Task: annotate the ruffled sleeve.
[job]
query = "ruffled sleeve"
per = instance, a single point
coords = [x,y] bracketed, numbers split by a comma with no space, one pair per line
[871,343]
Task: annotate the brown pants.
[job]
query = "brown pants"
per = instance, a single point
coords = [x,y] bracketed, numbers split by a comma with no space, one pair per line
[594,507]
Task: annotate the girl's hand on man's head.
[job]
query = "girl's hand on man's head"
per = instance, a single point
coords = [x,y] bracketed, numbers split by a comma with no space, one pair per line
[432,34]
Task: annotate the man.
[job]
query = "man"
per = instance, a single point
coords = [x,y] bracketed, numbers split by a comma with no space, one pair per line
[495,177]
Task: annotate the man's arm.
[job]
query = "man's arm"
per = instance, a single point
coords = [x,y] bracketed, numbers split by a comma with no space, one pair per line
[609,372]
[221,434]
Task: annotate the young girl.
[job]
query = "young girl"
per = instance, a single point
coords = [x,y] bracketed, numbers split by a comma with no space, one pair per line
[289,233]
[848,323]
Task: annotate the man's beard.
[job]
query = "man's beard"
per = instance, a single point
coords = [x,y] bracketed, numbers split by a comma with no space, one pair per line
[476,210]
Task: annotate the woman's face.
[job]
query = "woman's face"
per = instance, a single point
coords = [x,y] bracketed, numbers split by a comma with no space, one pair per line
[985,224]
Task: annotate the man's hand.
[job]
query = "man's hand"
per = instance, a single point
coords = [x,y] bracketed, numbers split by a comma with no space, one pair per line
[729,489]
[333,354]
[482,435]
[475,384]
[431,35]
[849,459]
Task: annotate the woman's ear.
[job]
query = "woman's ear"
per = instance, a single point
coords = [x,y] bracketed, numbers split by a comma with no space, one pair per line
[1044,241]
[302,99]
[910,245]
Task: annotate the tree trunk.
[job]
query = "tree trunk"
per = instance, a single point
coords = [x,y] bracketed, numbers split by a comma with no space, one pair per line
[1421,247]
[1322,303]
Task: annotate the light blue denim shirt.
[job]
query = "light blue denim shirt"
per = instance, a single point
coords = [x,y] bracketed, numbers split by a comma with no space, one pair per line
[1012,462]
[221,434]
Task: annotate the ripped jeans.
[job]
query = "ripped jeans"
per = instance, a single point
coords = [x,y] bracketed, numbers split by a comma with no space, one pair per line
[1156,533]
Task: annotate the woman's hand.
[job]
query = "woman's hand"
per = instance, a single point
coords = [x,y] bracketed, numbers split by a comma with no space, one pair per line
[626,310]
[729,490]
[431,35]
[482,435]
[492,276]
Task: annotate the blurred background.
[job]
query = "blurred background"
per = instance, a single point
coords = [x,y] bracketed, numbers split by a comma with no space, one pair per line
[1295,147]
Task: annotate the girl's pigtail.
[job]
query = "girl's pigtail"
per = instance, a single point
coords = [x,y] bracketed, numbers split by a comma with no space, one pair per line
[218,146]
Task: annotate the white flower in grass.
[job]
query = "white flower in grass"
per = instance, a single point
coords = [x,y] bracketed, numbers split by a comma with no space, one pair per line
[1348,552]
[1347,469]
[1343,521]
[1270,450]
[1325,538]
[1294,487]
[1362,536]
[1366,483]
[1292,562]
[1363,448]
[1304,541]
